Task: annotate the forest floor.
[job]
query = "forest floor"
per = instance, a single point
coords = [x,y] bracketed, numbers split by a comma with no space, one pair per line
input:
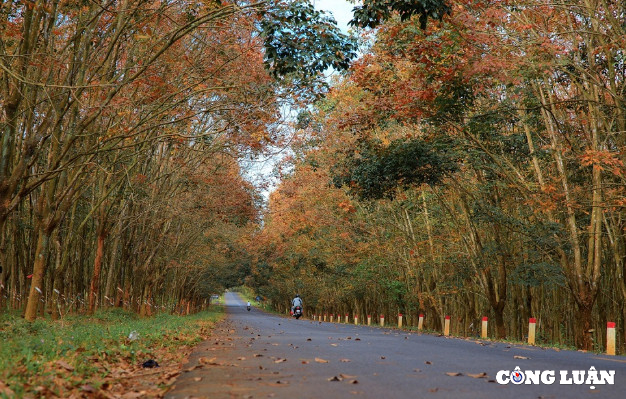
[101,356]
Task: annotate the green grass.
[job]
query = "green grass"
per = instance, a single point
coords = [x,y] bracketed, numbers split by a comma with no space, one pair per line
[29,350]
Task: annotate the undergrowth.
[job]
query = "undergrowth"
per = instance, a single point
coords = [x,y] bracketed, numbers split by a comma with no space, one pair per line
[54,355]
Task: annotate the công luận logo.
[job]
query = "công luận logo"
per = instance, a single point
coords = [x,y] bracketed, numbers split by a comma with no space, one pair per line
[591,377]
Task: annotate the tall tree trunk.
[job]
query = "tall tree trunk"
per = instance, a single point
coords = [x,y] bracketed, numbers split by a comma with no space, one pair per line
[39,270]
[94,287]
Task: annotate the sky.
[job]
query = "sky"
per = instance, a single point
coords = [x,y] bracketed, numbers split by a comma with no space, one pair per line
[341,10]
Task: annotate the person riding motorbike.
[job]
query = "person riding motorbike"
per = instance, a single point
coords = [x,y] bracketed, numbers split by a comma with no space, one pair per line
[248,306]
[297,301]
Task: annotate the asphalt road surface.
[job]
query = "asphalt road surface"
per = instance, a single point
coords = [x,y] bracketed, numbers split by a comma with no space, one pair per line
[257,355]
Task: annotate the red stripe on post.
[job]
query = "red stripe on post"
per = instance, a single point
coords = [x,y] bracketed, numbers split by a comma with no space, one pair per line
[447,317]
[421,315]
[485,318]
[532,320]
[610,324]
[400,314]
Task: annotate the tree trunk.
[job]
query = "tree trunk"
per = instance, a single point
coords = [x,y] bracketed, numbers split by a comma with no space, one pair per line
[583,318]
[38,272]
[94,287]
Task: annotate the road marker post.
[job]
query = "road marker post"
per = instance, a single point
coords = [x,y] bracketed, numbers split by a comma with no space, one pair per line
[610,338]
[382,320]
[347,319]
[369,320]
[420,323]
[314,318]
[325,316]
[446,326]
[400,320]
[483,332]
[532,323]
[356,320]
[339,318]
[332,318]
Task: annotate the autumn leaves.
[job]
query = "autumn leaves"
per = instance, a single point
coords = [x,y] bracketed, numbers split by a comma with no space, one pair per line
[478,167]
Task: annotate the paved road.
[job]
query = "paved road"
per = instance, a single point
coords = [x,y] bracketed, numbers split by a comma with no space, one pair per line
[256,355]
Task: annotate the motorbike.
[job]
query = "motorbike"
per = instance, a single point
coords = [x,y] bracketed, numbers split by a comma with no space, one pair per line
[248,307]
[297,312]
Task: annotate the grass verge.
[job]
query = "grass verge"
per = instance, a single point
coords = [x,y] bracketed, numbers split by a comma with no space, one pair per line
[96,356]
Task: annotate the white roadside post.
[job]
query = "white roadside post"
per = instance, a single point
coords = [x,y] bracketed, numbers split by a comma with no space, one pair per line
[400,320]
[446,326]
[610,338]
[532,322]
[483,332]
[382,320]
[420,323]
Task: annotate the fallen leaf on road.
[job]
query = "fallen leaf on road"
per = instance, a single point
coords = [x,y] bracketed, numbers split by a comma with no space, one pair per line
[454,374]
[335,378]
[305,362]
[479,375]
[433,389]
[520,357]
[357,339]
[383,357]
[353,382]
[258,355]
[210,362]
[308,339]
[280,360]
[347,376]
[428,362]
[319,360]
[196,379]
[241,358]
[344,360]
[333,344]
